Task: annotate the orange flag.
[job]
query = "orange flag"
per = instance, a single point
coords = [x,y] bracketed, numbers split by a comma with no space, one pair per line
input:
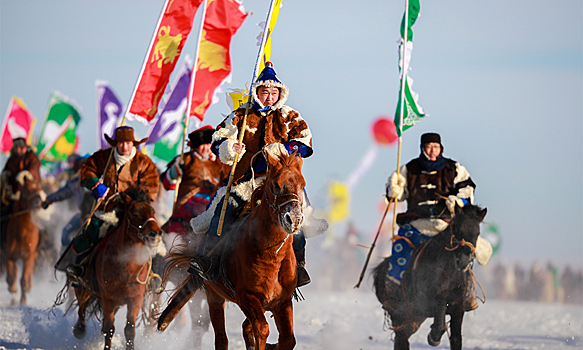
[223,19]
[165,48]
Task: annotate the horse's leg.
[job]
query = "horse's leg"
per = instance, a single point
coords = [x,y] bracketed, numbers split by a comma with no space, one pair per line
[199,315]
[108,327]
[11,272]
[438,327]
[132,315]
[251,307]
[27,271]
[217,313]
[248,333]
[402,332]
[79,330]
[457,317]
[284,320]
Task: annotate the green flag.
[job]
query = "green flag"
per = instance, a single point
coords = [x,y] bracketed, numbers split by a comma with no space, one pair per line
[58,140]
[412,111]
[167,147]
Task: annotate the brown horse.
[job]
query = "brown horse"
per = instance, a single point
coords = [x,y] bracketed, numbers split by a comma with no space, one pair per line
[122,267]
[22,235]
[260,265]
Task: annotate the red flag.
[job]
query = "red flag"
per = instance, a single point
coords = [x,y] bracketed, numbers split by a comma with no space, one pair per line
[223,19]
[171,33]
[19,122]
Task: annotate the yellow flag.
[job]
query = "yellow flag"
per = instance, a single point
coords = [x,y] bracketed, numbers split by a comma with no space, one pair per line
[339,196]
[269,26]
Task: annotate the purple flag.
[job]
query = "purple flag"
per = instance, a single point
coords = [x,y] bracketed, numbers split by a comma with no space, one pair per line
[109,110]
[173,112]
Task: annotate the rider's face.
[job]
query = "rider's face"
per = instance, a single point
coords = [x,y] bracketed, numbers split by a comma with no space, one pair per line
[204,149]
[268,95]
[432,149]
[124,148]
[20,151]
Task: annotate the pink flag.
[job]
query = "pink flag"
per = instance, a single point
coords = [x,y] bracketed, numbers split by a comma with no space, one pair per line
[19,122]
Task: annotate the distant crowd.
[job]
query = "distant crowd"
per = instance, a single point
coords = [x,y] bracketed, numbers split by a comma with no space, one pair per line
[541,283]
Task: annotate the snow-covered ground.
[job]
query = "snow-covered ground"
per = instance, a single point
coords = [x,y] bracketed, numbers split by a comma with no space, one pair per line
[351,319]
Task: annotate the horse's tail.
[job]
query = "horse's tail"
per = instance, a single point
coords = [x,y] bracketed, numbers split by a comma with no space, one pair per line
[379,274]
[180,297]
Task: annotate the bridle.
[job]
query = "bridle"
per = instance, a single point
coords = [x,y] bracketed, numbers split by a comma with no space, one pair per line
[277,207]
[459,244]
[139,228]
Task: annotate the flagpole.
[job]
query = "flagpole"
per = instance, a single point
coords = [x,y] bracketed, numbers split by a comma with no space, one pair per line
[402,97]
[189,94]
[243,127]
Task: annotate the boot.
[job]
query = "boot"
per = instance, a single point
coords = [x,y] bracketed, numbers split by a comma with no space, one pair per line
[206,264]
[301,273]
[470,302]
[75,272]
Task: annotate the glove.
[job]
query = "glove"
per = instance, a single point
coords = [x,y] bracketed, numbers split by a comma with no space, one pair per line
[176,171]
[45,204]
[396,186]
[451,202]
[99,190]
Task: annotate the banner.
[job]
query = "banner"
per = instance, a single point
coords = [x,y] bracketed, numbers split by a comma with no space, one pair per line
[57,139]
[273,20]
[18,122]
[412,111]
[109,111]
[173,28]
[223,19]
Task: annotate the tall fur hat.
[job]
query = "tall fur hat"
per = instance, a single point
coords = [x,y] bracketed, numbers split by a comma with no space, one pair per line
[269,78]
[123,134]
[19,142]
[201,136]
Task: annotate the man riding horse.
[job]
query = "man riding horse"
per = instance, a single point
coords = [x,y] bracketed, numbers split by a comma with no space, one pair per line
[123,169]
[272,127]
[432,185]
[21,158]
[200,173]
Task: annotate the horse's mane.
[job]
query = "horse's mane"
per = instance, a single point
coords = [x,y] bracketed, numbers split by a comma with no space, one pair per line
[473,211]
[137,194]
[286,161]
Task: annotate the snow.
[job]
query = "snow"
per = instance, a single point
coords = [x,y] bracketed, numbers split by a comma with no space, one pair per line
[342,319]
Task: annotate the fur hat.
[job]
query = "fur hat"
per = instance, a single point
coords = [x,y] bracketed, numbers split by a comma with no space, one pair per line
[201,136]
[430,137]
[123,134]
[19,142]
[269,78]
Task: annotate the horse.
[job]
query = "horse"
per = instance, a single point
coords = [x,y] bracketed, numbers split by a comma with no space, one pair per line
[122,267]
[259,272]
[435,282]
[22,235]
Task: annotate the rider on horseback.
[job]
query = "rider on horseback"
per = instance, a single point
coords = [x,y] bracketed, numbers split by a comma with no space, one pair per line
[272,127]
[200,176]
[21,158]
[127,168]
[432,185]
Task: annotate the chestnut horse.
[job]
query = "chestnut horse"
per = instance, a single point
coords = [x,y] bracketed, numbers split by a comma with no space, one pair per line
[122,268]
[260,265]
[22,235]
[434,284]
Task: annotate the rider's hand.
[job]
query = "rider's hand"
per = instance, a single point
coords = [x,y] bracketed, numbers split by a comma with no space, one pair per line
[396,186]
[176,171]
[238,147]
[99,190]
[45,204]
[451,202]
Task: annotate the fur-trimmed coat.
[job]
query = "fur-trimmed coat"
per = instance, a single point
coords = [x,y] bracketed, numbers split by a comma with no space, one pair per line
[282,125]
[198,175]
[140,172]
[16,164]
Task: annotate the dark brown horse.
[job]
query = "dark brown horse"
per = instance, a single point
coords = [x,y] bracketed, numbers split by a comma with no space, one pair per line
[435,282]
[259,262]
[122,267]
[22,235]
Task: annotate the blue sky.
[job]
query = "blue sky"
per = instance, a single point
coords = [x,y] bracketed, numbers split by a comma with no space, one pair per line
[502,82]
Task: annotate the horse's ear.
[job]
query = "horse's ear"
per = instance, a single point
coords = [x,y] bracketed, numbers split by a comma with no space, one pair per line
[483,214]
[125,198]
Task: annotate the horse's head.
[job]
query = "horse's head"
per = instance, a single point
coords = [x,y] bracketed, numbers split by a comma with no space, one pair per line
[283,190]
[31,193]
[140,217]
[465,229]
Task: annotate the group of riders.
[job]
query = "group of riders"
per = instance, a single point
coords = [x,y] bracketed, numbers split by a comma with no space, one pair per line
[431,184]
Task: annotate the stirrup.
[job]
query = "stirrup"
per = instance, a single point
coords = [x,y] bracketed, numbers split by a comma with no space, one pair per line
[302,277]
[196,268]
[74,272]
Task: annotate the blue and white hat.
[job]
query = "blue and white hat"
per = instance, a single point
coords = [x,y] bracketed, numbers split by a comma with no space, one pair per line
[269,78]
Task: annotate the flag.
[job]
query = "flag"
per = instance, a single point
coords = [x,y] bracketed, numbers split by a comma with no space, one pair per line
[339,197]
[18,122]
[213,68]
[272,21]
[173,27]
[57,139]
[166,132]
[109,110]
[412,111]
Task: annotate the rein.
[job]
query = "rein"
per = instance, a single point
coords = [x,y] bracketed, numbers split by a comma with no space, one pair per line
[142,237]
[140,227]
[459,244]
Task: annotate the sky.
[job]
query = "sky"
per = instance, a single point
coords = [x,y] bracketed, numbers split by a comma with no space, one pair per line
[501,81]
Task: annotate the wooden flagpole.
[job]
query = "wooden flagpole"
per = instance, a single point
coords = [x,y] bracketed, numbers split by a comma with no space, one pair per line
[243,127]
[189,95]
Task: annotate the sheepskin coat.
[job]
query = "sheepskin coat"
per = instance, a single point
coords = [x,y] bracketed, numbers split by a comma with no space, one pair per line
[16,164]
[278,126]
[140,171]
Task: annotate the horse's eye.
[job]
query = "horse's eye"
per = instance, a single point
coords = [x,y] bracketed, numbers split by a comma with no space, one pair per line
[276,187]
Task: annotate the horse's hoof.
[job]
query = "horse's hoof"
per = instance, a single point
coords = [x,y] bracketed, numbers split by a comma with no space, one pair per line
[431,341]
[79,331]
